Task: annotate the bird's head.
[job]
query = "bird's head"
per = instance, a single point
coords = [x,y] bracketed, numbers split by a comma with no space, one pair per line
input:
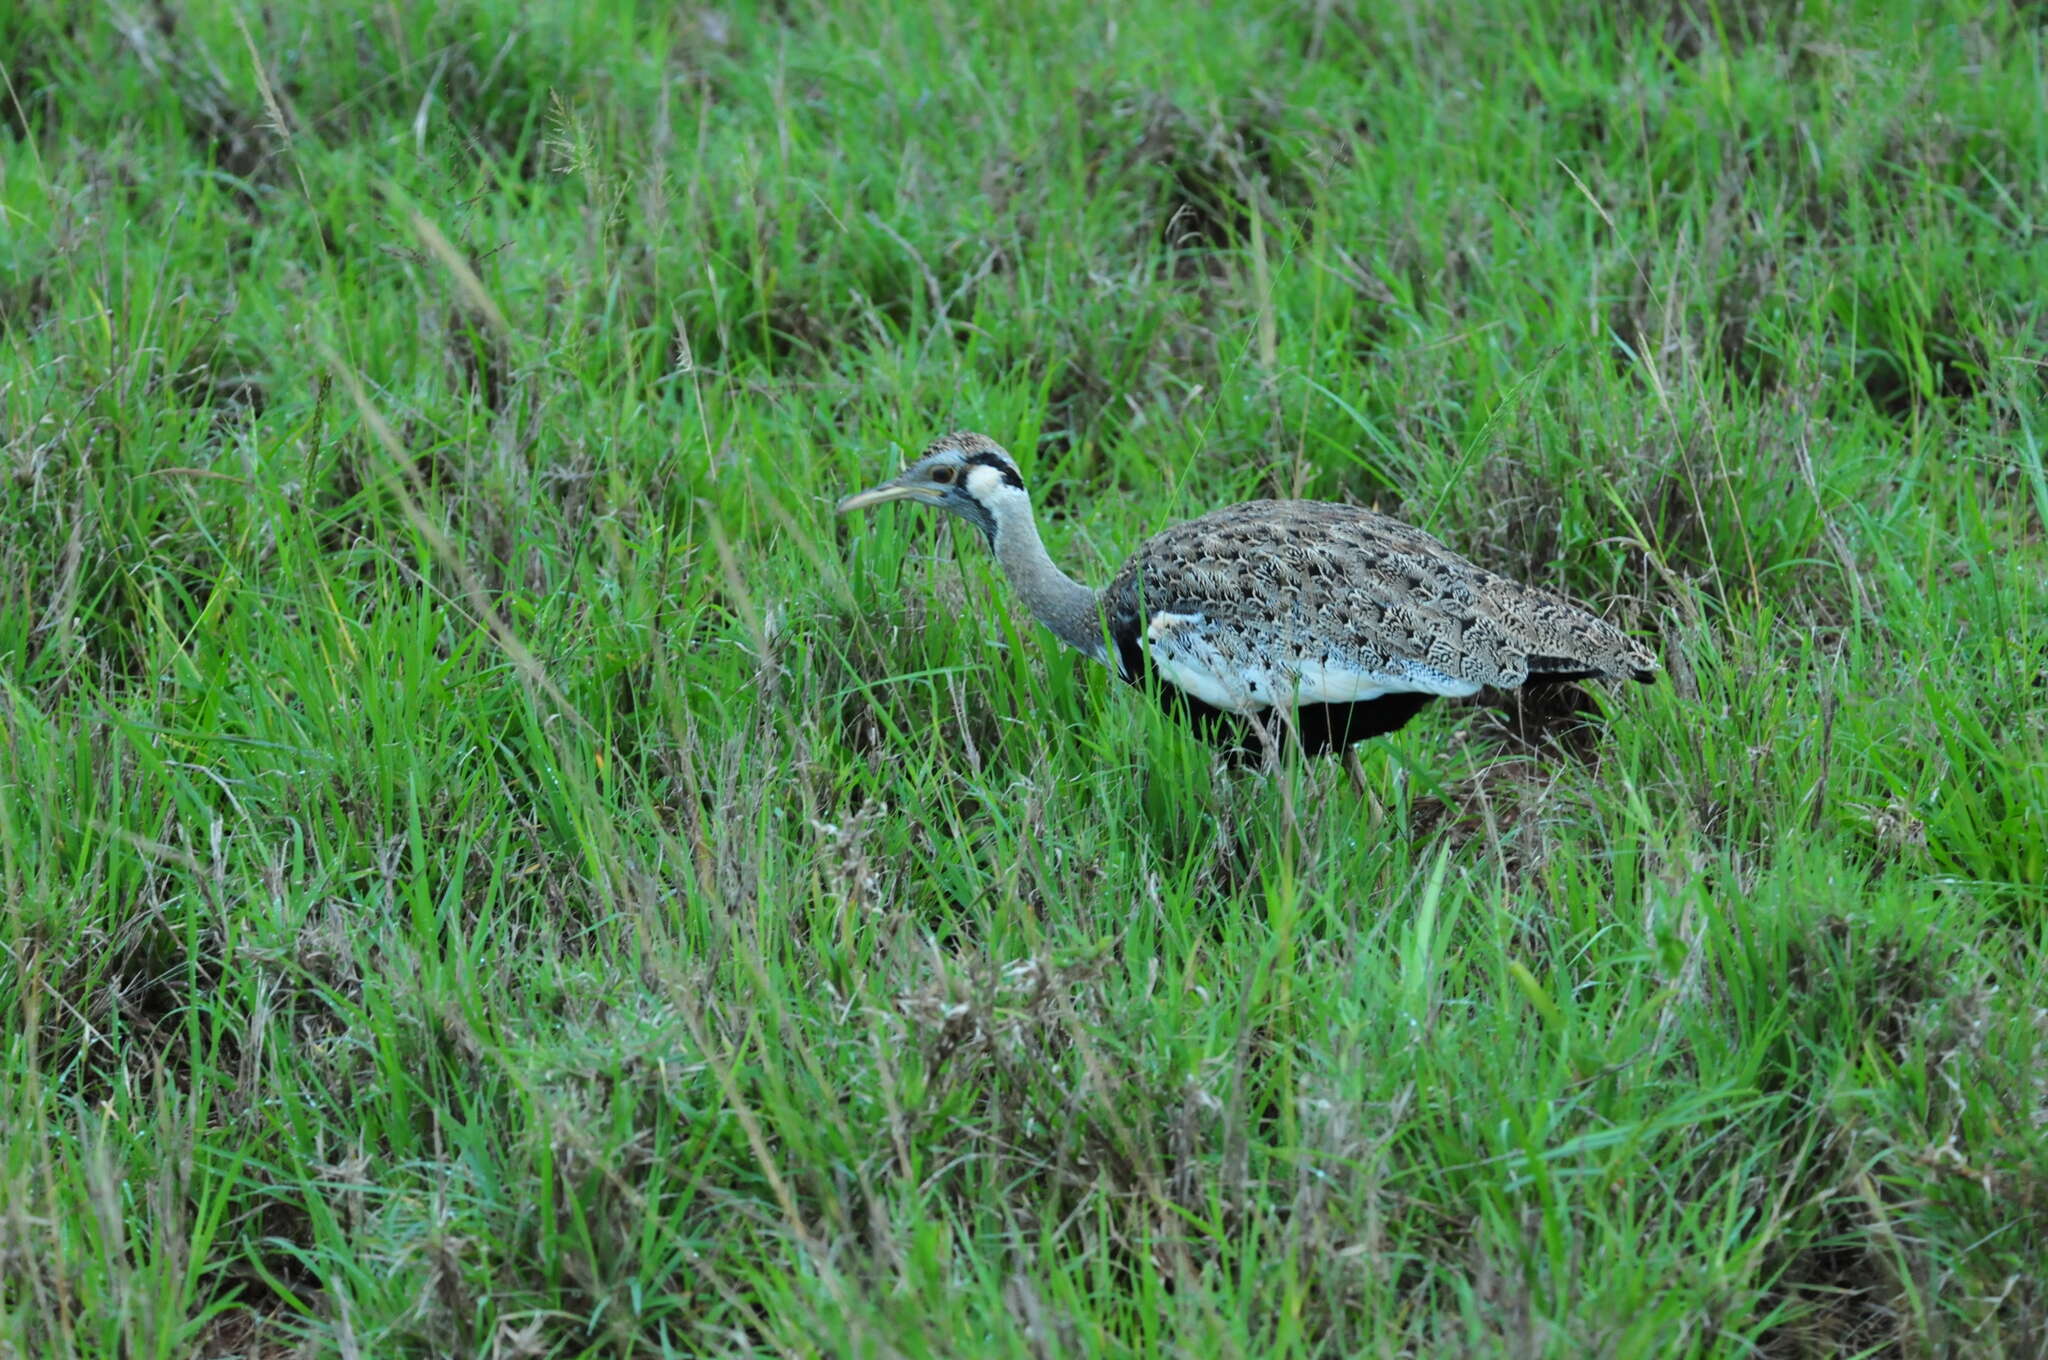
[964,474]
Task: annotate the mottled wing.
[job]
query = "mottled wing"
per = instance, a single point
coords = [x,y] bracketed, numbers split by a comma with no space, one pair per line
[1307,602]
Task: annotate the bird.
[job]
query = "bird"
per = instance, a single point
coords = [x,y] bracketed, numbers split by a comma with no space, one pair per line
[1339,622]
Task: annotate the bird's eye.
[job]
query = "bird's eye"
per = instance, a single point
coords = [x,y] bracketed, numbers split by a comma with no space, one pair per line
[943,476]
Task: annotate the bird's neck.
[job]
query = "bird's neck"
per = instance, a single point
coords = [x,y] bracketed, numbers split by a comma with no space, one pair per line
[1065,606]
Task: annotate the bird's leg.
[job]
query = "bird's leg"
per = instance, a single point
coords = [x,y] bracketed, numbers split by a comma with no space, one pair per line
[1269,739]
[1269,745]
[1355,767]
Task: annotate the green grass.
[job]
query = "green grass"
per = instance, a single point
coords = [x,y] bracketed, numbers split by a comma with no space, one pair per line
[489,864]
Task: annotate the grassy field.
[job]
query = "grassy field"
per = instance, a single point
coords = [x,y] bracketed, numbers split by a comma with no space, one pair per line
[490,865]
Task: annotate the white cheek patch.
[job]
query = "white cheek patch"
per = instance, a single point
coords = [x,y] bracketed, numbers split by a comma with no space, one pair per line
[983,482]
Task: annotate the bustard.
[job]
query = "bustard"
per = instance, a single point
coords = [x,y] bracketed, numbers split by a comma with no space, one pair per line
[1344,620]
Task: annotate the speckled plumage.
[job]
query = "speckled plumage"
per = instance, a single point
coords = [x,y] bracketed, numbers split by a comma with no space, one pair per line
[1345,619]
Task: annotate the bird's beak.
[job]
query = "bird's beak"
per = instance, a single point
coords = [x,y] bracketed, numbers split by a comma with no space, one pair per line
[895,489]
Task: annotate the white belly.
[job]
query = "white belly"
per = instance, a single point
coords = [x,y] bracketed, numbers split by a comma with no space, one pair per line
[1185,657]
